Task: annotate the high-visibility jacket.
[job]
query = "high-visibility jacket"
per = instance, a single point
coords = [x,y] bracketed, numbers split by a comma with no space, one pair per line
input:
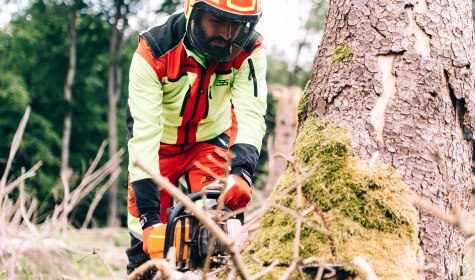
[176,98]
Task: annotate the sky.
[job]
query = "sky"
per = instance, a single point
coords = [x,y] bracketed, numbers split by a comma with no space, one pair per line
[281,26]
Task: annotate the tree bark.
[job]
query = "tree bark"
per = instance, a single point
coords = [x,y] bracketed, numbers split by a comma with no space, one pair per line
[68,96]
[398,73]
[113,92]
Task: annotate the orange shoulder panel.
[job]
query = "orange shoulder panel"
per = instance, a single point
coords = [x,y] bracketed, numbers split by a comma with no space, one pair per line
[144,51]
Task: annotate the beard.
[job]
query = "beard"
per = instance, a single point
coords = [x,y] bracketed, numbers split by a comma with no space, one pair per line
[206,43]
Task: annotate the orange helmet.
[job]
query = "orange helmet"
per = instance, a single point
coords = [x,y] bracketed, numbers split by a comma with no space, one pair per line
[243,15]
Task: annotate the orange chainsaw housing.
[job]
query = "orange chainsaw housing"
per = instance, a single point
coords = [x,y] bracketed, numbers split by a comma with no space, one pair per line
[156,241]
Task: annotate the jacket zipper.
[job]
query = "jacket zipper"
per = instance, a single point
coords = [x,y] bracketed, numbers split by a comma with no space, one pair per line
[197,101]
[252,74]
[185,100]
[207,103]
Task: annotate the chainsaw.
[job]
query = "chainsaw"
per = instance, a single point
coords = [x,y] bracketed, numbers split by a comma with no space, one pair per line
[192,239]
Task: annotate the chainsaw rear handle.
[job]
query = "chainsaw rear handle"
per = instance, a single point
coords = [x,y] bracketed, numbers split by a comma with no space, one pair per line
[178,211]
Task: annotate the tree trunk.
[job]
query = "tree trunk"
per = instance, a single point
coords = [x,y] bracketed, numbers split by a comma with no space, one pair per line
[285,132]
[65,172]
[398,73]
[113,92]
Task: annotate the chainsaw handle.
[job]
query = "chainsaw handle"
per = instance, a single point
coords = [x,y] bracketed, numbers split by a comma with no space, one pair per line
[178,211]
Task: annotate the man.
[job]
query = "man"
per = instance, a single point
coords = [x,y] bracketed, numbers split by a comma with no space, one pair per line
[197,84]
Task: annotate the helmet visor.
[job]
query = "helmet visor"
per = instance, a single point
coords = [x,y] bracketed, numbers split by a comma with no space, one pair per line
[218,37]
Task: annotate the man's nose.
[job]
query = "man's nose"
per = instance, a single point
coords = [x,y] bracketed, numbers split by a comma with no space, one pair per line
[226,30]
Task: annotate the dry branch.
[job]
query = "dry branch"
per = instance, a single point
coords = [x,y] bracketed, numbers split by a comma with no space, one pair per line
[96,251]
[97,198]
[14,148]
[265,271]
[364,267]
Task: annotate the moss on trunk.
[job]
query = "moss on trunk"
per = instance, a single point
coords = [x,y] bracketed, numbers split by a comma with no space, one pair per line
[368,210]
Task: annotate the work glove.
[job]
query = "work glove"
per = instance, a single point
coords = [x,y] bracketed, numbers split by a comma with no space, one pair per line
[149,222]
[237,193]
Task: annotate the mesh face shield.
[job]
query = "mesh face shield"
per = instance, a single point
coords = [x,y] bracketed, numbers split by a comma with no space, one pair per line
[204,37]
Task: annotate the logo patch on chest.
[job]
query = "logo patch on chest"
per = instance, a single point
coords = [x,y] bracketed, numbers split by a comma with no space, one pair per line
[221,83]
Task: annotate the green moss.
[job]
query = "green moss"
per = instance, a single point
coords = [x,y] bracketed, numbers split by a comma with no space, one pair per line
[302,106]
[368,211]
[341,53]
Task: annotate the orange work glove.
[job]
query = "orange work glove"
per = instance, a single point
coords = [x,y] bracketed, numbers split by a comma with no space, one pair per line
[237,193]
[149,222]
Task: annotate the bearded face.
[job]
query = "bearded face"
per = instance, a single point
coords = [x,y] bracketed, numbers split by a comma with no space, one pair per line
[215,36]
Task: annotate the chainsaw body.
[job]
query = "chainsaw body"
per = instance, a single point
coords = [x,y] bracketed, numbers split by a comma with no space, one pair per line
[191,239]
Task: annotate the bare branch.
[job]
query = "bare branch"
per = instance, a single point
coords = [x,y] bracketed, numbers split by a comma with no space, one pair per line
[24,213]
[363,266]
[265,271]
[301,216]
[30,173]
[160,264]
[14,148]
[97,198]
[96,251]
[290,270]
[455,219]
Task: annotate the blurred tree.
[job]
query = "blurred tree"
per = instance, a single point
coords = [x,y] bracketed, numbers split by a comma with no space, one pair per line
[65,171]
[118,20]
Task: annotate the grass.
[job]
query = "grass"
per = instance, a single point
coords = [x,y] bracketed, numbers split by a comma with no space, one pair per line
[76,258]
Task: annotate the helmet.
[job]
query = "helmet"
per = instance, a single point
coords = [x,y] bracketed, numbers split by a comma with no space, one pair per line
[219,29]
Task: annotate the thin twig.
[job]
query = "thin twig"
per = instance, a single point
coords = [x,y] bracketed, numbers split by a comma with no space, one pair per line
[266,271]
[97,198]
[209,255]
[160,264]
[207,170]
[30,173]
[454,220]
[232,274]
[96,251]
[365,268]
[13,149]
[321,269]
[289,270]
[24,213]
[300,216]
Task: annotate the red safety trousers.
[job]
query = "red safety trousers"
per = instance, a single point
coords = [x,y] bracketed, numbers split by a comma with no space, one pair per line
[178,160]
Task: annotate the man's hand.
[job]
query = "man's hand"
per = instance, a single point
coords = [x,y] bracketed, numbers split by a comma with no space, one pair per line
[149,222]
[237,193]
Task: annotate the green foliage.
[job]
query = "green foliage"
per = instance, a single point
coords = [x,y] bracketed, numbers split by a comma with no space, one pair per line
[170,6]
[35,53]
[365,210]
[316,21]
[280,72]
